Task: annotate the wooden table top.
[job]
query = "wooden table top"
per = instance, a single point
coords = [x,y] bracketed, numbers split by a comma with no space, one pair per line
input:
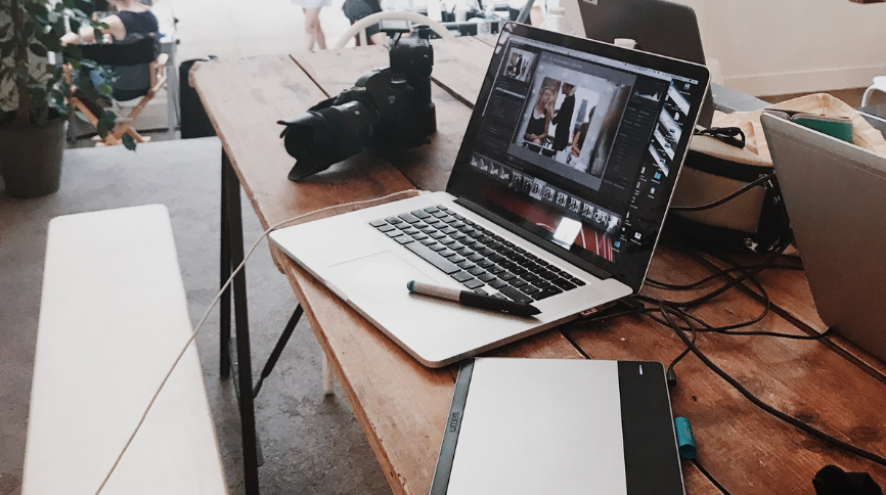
[402,406]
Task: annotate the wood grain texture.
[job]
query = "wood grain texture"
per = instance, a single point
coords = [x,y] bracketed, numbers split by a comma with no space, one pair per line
[789,291]
[745,449]
[461,66]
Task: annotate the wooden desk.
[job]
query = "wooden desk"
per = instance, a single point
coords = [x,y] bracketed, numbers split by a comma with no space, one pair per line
[402,406]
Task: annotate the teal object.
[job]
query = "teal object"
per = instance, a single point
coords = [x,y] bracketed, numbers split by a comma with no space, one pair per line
[685,441]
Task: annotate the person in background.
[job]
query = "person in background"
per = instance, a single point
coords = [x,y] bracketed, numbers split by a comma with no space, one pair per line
[314,35]
[131,17]
[563,117]
[358,9]
[536,14]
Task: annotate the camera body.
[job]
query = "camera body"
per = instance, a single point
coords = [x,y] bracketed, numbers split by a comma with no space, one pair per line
[388,109]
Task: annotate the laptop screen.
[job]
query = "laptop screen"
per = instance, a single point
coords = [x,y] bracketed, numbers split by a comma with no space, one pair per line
[576,145]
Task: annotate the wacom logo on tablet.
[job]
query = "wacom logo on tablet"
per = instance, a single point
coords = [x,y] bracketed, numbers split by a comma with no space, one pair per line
[453,423]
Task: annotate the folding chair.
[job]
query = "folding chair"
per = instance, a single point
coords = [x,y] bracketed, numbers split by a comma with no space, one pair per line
[142,71]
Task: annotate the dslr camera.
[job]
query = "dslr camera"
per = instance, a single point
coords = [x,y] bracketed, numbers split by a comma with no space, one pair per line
[389,109]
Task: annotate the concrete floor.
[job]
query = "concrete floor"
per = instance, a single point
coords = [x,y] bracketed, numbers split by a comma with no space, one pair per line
[311,444]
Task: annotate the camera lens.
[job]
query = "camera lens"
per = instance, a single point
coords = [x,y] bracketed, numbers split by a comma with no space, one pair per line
[320,138]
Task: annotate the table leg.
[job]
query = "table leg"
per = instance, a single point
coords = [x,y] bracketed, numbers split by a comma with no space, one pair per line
[225,272]
[241,319]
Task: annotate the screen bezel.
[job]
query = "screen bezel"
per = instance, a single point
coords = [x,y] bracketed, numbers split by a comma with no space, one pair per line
[638,264]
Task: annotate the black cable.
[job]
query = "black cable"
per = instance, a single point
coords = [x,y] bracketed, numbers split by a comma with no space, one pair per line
[683,287]
[824,437]
[729,197]
[727,286]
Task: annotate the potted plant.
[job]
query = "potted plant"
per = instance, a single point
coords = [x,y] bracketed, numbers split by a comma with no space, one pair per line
[33,87]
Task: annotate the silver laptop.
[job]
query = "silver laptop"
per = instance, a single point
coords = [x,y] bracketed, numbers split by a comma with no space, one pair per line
[835,193]
[564,218]
[658,26]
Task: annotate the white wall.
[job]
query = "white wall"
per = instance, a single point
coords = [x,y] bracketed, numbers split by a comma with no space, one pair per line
[768,47]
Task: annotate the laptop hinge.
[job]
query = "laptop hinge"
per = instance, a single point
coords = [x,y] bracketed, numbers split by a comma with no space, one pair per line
[534,239]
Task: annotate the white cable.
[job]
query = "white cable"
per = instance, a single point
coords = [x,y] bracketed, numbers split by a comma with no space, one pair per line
[270,229]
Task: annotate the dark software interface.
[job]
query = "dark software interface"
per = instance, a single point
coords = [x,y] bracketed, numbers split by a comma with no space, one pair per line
[578,149]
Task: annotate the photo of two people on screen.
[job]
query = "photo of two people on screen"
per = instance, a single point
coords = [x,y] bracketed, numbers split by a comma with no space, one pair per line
[573,122]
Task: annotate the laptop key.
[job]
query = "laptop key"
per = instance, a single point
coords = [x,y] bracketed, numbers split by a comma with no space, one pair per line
[498,284]
[446,253]
[496,269]
[467,265]
[408,218]
[428,241]
[519,282]
[436,247]
[475,257]
[420,214]
[461,276]
[546,292]
[433,221]
[507,276]
[547,275]
[487,277]
[457,225]
[439,214]
[437,235]
[530,290]
[441,207]
[457,236]
[431,257]
[476,271]
[446,241]
[563,284]
[515,294]
[448,219]
[404,239]
[385,227]
[456,259]
[474,284]
[394,220]
[377,223]
[410,231]
[448,230]
[393,233]
[485,263]
[418,236]
[530,277]
[541,283]
[431,210]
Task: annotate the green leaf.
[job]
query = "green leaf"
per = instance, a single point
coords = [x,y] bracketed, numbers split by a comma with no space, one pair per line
[106,89]
[75,26]
[129,142]
[106,123]
[71,4]
[80,116]
[38,49]
[29,30]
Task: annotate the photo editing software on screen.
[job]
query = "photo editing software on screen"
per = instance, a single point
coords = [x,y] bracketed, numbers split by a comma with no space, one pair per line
[583,144]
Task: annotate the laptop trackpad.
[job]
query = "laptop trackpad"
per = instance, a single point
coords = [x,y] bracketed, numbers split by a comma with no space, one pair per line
[379,278]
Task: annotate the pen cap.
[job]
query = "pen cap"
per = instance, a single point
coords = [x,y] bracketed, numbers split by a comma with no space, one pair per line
[685,441]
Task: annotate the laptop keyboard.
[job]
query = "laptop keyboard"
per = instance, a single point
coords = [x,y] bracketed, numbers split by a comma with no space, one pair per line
[482,261]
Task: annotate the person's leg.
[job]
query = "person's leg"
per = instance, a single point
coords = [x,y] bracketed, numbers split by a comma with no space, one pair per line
[310,21]
[319,35]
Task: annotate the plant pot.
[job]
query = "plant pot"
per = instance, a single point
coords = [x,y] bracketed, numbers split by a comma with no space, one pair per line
[31,158]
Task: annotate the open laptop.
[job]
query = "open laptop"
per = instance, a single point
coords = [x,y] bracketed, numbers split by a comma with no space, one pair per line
[567,230]
[835,193]
[658,26]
